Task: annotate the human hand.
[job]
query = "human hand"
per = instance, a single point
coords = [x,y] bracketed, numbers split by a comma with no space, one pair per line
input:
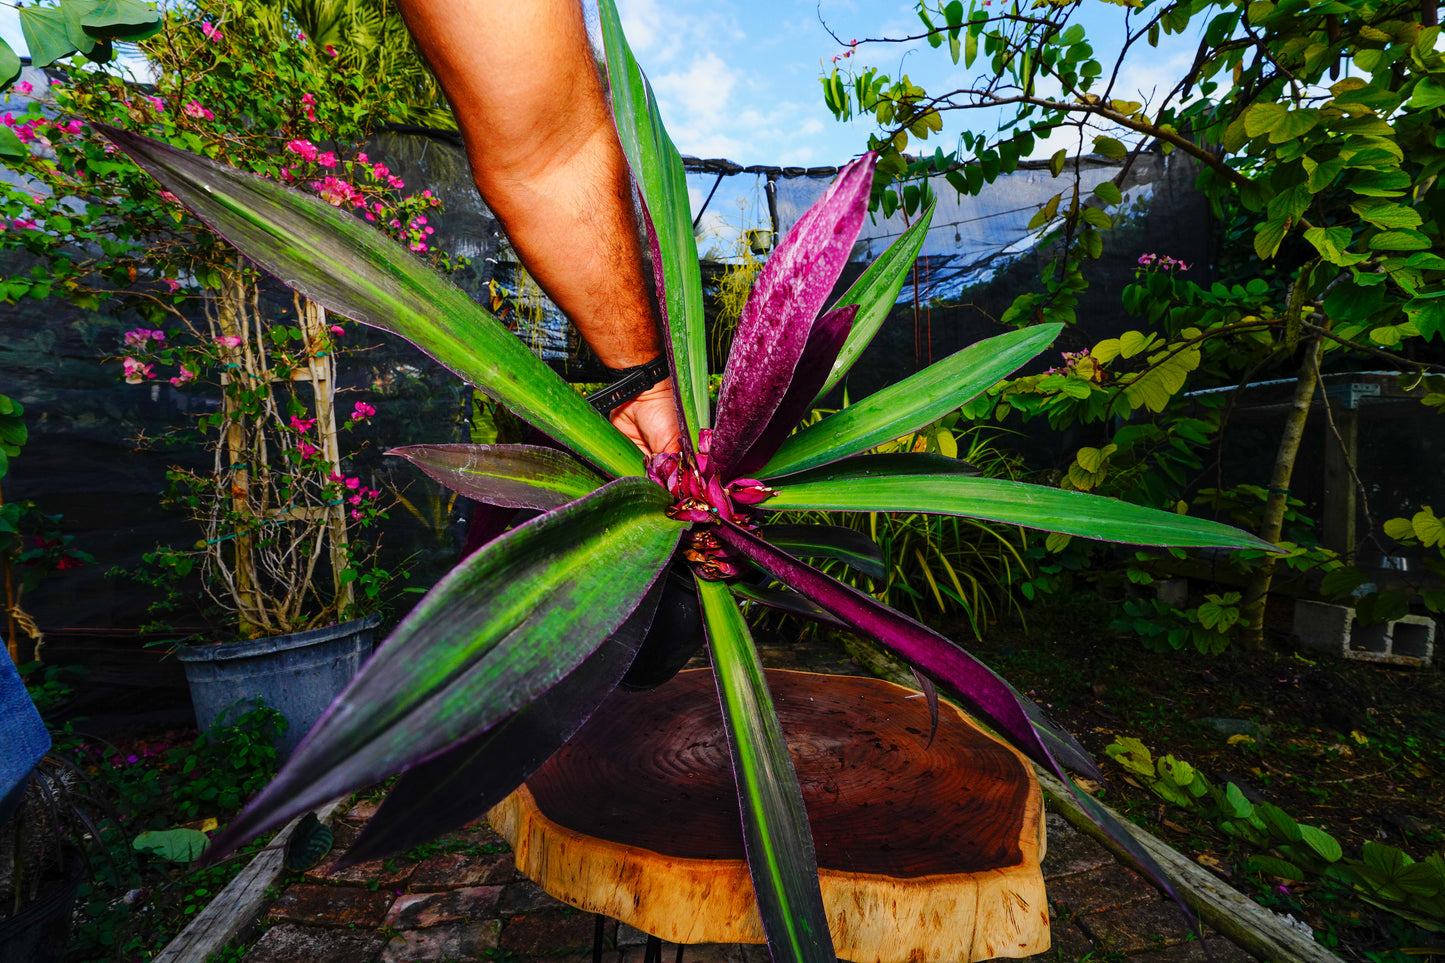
[650,420]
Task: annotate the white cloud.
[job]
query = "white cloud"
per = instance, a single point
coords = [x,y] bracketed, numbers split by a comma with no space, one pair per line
[701,91]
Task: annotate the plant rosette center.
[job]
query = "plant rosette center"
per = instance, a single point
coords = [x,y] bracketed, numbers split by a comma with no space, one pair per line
[705,499]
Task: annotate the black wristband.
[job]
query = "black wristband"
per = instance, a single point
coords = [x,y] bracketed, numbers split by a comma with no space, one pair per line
[630,383]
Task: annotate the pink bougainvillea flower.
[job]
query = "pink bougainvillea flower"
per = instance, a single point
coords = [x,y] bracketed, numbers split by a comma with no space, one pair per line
[185,376]
[213,33]
[24,88]
[361,411]
[306,449]
[302,424]
[136,371]
[229,341]
[195,109]
[334,191]
[327,159]
[337,330]
[305,148]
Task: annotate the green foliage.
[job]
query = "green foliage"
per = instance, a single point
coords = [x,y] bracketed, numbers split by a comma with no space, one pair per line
[173,845]
[212,777]
[1325,186]
[935,563]
[1163,628]
[1383,876]
[279,511]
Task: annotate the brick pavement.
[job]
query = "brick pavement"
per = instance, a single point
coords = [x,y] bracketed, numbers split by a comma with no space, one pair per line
[461,899]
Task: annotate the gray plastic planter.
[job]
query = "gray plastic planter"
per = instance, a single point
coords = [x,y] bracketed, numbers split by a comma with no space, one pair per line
[297,675]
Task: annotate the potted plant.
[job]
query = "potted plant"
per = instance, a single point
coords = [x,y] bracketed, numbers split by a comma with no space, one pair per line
[283,548]
[507,655]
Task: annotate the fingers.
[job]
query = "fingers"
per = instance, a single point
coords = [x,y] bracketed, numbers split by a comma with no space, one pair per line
[650,420]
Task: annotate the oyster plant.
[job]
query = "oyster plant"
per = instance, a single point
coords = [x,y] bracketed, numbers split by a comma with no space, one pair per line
[511,652]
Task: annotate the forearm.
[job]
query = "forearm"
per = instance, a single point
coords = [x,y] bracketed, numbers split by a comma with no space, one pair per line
[546,158]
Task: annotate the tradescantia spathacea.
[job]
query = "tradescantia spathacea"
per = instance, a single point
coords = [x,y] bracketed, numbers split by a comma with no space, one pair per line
[510,653]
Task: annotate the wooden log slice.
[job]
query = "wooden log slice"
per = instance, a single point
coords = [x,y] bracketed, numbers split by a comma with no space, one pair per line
[924,852]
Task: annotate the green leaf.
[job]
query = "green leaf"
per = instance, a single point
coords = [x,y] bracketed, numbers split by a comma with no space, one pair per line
[1108,192]
[1403,240]
[124,20]
[1268,237]
[1324,845]
[174,845]
[1278,868]
[513,476]
[9,66]
[778,840]
[1056,162]
[1014,503]
[657,166]
[503,627]
[875,293]
[1329,241]
[47,34]
[338,261]
[1386,214]
[1427,316]
[1110,148]
[1429,93]
[911,403]
[308,844]
[12,146]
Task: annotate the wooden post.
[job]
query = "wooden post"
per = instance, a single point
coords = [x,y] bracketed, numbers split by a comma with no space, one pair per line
[232,322]
[321,365]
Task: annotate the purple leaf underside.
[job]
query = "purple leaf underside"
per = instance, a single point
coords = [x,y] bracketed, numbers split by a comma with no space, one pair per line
[450,790]
[512,476]
[824,343]
[1012,715]
[778,317]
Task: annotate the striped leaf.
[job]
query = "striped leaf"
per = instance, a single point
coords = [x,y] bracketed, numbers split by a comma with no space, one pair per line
[336,260]
[450,790]
[657,168]
[512,476]
[875,292]
[778,317]
[911,403]
[1015,503]
[847,545]
[776,834]
[503,627]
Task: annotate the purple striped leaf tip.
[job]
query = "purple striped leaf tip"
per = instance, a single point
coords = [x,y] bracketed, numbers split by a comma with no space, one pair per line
[779,316]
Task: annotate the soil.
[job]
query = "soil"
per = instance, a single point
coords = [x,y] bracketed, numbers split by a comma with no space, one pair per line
[1354,748]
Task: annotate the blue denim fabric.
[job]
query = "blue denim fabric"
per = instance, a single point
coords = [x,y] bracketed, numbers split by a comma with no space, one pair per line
[23,737]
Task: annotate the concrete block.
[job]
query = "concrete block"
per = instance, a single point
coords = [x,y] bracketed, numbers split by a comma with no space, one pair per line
[1406,641]
[1172,591]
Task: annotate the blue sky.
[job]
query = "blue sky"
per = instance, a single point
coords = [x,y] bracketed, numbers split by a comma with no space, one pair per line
[739,79]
